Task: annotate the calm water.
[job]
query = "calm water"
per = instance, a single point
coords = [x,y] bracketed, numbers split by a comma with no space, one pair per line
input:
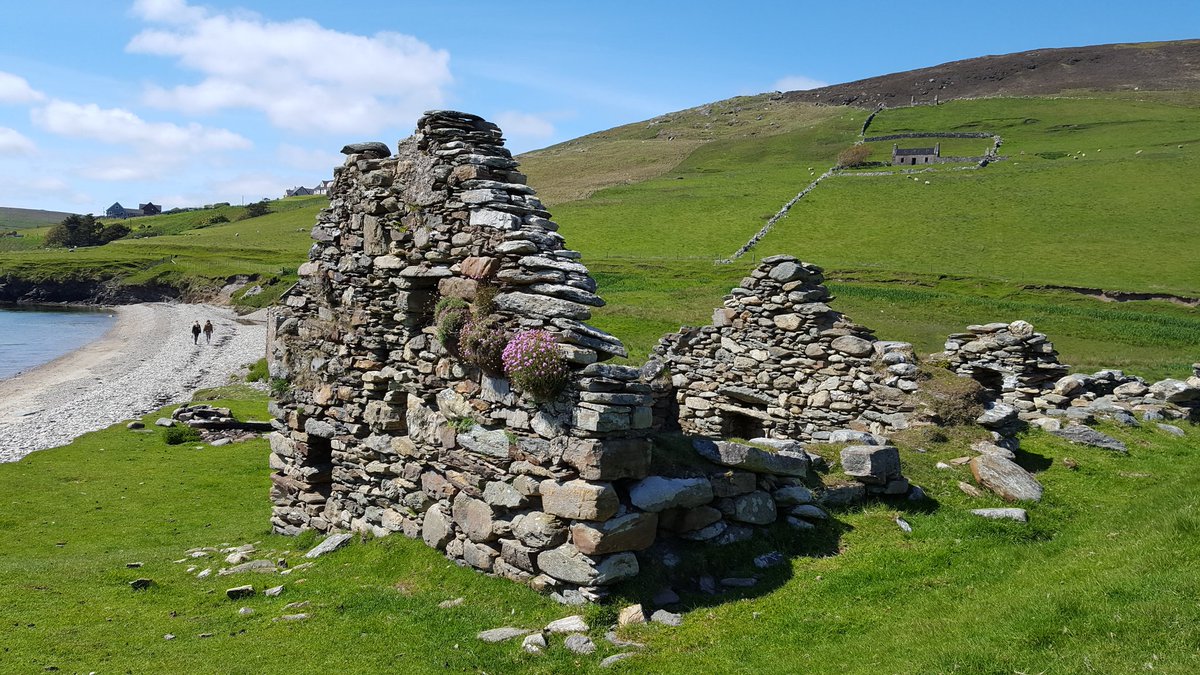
[33,335]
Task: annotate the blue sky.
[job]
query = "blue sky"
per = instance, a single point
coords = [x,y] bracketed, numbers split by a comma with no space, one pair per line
[183,102]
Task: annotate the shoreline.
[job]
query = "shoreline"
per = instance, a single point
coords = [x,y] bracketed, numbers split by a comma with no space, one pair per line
[142,363]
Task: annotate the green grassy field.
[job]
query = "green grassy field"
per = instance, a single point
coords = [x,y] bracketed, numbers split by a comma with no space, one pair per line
[1076,204]
[1103,579]
[184,251]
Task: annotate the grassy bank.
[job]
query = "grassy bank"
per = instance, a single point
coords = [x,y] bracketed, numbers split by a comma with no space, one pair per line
[188,252]
[1103,578]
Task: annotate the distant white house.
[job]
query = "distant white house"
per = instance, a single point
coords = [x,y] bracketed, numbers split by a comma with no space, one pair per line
[323,187]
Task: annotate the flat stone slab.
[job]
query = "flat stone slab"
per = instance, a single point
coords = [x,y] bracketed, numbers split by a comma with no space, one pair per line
[1006,478]
[1081,435]
[331,543]
[1018,515]
[750,458]
[501,634]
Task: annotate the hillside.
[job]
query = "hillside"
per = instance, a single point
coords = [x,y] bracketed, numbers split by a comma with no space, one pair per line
[181,255]
[1095,194]
[17,219]
[1147,66]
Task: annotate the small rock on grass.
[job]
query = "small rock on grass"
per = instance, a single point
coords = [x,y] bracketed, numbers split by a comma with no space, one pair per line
[297,605]
[447,604]
[133,565]
[667,618]
[631,615]
[273,592]
[970,490]
[501,634]
[570,624]
[291,617]
[534,644]
[245,611]
[1171,429]
[611,636]
[141,584]
[204,573]
[136,424]
[579,644]
[238,592]
[168,636]
[1018,515]
[612,660]
[331,543]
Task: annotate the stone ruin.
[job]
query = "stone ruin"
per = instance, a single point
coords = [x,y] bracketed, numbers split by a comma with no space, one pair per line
[778,362]
[1020,370]
[388,427]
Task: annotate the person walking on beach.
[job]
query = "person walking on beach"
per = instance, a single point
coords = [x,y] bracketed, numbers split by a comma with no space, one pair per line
[208,329]
[196,333]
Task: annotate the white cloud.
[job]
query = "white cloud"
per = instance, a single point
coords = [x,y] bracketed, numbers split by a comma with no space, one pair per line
[255,186]
[167,11]
[302,76]
[308,159]
[14,89]
[797,83]
[524,125]
[121,127]
[13,143]
[32,189]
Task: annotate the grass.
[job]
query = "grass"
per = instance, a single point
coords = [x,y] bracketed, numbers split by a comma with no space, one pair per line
[1103,578]
[969,247]
[187,255]
[12,218]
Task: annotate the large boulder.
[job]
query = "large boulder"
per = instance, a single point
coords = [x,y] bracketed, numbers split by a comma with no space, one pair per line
[872,464]
[1006,478]
[1175,391]
[1081,435]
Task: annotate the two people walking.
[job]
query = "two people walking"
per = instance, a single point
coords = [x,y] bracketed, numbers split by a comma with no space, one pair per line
[207,330]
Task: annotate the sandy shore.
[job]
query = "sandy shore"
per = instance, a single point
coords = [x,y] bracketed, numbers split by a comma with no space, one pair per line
[147,360]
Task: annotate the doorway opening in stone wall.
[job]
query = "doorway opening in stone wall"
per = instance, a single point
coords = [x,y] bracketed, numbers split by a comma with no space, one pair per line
[989,379]
[738,425]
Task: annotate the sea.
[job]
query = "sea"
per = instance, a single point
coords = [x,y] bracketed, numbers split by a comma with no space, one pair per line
[31,335]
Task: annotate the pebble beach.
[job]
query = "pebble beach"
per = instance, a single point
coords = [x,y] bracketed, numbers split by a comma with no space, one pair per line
[146,361]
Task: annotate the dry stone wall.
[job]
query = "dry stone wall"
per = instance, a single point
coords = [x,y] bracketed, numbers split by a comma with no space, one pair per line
[388,428]
[778,362]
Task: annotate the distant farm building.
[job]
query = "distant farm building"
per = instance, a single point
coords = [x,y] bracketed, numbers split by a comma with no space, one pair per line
[118,211]
[322,188]
[913,156]
[299,192]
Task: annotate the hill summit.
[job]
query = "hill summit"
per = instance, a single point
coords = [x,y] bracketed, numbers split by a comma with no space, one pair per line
[1159,66]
